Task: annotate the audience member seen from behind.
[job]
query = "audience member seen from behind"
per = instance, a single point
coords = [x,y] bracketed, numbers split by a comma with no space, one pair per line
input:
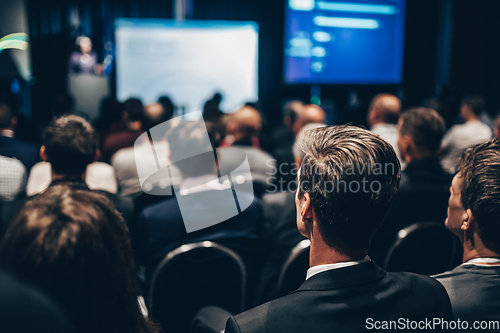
[309,114]
[162,226]
[11,147]
[473,215]
[126,160]
[74,245]
[70,145]
[132,117]
[383,115]
[343,287]
[469,134]
[424,189]
[243,129]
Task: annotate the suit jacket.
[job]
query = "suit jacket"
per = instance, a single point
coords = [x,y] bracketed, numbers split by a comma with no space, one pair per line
[474,291]
[161,229]
[345,299]
[422,197]
[27,153]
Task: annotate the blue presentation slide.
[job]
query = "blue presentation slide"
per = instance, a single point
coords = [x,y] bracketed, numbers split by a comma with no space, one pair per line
[344,42]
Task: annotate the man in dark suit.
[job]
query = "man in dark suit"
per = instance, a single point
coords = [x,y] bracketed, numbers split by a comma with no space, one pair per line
[70,145]
[347,182]
[164,226]
[473,215]
[27,153]
[424,189]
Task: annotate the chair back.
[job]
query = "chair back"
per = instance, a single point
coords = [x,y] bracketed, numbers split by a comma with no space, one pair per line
[194,276]
[424,248]
[294,270]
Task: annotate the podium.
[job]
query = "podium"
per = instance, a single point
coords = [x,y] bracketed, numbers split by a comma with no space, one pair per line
[88,91]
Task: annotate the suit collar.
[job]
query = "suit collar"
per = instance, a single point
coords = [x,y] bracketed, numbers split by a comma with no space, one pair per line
[344,277]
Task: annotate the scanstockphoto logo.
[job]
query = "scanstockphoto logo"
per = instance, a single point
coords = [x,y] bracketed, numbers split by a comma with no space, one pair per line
[181,148]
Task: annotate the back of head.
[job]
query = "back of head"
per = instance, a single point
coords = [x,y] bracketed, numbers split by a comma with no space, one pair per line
[154,114]
[193,136]
[479,167]
[384,108]
[291,111]
[352,176]
[109,111]
[134,109]
[168,106]
[63,103]
[425,127]
[245,123]
[6,116]
[75,246]
[70,145]
[311,113]
[476,103]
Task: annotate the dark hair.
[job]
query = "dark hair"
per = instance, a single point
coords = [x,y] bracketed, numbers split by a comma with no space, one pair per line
[289,111]
[6,116]
[425,127]
[475,102]
[63,103]
[134,109]
[168,106]
[75,246]
[70,144]
[109,113]
[480,169]
[335,158]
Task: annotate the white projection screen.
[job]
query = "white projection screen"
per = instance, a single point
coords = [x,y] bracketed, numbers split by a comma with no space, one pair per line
[189,61]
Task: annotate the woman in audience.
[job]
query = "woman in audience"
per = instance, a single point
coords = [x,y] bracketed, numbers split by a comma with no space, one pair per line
[75,246]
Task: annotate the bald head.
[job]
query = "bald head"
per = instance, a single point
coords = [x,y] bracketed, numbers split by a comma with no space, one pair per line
[309,114]
[384,109]
[154,114]
[245,123]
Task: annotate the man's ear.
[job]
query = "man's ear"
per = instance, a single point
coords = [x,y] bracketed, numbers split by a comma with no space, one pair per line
[97,155]
[43,155]
[467,220]
[406,143]
[306,211]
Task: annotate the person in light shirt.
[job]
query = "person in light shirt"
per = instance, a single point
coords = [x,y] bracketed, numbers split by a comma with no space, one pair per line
[466,135]
[383,115]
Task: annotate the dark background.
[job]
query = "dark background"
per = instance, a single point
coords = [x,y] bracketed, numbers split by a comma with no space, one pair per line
[473,66]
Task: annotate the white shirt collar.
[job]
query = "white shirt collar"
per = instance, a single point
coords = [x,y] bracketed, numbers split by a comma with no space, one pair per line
[323,268]
[483,261]
[200,184]
[8,133]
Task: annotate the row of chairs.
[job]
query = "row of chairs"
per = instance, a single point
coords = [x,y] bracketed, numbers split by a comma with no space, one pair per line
[197,275]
